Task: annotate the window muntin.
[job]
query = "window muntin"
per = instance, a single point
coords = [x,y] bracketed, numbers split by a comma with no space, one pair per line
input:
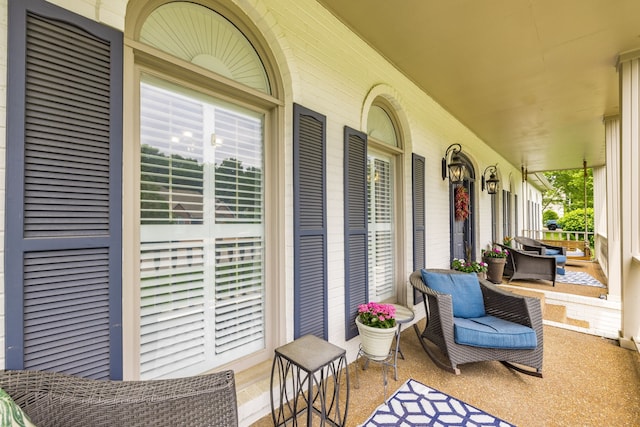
[199,35]
[380,126]
[381,238]
[201,231]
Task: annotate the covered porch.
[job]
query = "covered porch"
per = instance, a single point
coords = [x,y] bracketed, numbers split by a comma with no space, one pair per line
[577,387]
[247,200]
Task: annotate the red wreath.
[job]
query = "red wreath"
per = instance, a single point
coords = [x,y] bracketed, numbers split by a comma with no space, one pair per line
[462,204]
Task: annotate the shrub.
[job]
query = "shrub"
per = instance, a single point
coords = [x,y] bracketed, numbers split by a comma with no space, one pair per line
[574,221]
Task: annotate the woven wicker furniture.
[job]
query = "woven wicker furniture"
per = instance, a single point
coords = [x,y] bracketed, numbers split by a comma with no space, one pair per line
[438,341]
[528,265]
[58,400]
[529,244]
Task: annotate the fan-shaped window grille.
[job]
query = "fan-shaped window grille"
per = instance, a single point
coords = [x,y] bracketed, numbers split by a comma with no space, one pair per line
[203,37]
[380,126]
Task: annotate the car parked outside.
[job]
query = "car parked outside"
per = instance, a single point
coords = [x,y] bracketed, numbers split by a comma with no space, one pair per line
[552,224]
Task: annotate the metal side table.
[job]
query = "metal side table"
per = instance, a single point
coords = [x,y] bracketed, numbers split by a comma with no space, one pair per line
[309,379]
[403,315]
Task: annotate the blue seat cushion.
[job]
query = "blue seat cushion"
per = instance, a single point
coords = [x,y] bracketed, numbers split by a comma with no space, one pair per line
[560,270]
[548,251]
[561,259]
[464,289]
[493,332]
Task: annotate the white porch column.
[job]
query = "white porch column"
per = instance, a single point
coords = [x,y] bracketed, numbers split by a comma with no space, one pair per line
[612,147]
[629,74]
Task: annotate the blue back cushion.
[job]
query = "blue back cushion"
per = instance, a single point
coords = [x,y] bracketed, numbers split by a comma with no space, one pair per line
[464,290]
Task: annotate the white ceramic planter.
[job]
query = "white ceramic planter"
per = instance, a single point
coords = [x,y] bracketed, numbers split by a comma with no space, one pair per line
[375,342]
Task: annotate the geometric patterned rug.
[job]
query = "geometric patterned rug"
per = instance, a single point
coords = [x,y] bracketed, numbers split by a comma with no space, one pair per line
[415,404]
[579,278]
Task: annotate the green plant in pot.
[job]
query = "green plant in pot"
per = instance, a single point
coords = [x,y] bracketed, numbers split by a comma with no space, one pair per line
[496,257]
[478,267]
[377,326]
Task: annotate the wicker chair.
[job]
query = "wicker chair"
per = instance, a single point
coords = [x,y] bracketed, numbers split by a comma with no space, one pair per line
[534,245]
[439,328]
[529,265]
[60,400]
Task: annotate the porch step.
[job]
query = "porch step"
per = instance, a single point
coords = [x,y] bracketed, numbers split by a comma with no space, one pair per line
[555,313]
[552,312]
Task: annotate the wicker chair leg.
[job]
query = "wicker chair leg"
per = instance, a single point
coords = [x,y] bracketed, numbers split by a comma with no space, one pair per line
[537,373]
[432,356]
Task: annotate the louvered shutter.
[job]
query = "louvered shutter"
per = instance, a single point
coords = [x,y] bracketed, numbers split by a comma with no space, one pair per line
[355,226]
[418,170]
[309,219]
[63,230]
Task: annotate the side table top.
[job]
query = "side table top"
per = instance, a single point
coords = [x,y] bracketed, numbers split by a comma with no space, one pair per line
[310,352]
[403,314]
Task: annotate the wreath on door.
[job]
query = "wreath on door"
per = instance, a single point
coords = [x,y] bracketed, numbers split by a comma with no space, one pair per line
[461,203]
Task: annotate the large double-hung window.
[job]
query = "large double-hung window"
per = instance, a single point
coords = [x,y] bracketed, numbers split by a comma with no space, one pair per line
[201,231]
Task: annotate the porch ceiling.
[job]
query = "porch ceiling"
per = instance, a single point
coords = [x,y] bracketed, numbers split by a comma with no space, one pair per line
[532,78]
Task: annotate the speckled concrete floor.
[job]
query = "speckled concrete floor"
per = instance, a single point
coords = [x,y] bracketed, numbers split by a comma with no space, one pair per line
[588,381]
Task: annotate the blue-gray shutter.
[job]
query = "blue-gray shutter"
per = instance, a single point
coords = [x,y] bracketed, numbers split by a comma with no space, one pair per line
[63,193]
[355,226]
[418,171]
[309,223]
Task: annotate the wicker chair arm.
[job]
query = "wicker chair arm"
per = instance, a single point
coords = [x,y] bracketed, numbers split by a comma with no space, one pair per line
[509,306]
[55,399]
[438,306]
[437,301]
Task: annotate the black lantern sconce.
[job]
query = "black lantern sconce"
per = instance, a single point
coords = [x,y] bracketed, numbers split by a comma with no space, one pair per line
[492,182]
[455,165]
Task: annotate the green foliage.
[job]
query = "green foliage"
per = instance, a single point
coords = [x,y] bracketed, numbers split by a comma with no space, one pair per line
[547,215]
[574,221]
[569,189]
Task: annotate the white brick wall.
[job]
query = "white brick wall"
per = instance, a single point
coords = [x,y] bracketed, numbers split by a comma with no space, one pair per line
[328,69]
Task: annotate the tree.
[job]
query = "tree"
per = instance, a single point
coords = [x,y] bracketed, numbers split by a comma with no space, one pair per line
[547,215]
[569,189]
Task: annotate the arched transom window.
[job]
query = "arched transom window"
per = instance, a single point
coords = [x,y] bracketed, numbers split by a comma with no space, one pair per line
[201,36]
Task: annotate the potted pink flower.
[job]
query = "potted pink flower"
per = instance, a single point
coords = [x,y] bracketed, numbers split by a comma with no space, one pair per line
[376,324]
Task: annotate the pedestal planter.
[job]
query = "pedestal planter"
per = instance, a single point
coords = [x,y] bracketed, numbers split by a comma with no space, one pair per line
[495,269]
[482,275]
[375,342]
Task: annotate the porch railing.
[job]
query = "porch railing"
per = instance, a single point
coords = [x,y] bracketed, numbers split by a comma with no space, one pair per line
[573,240]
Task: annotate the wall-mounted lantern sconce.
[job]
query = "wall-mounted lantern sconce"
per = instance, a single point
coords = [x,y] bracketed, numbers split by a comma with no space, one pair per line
[455,165]
[491,184]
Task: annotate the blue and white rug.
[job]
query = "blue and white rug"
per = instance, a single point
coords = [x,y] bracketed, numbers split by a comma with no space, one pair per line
[415,404]
[579,278]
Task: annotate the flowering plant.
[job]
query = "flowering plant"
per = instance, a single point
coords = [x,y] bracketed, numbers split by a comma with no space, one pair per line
[507,240]
[495,252]
[377,315]
[469,267]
